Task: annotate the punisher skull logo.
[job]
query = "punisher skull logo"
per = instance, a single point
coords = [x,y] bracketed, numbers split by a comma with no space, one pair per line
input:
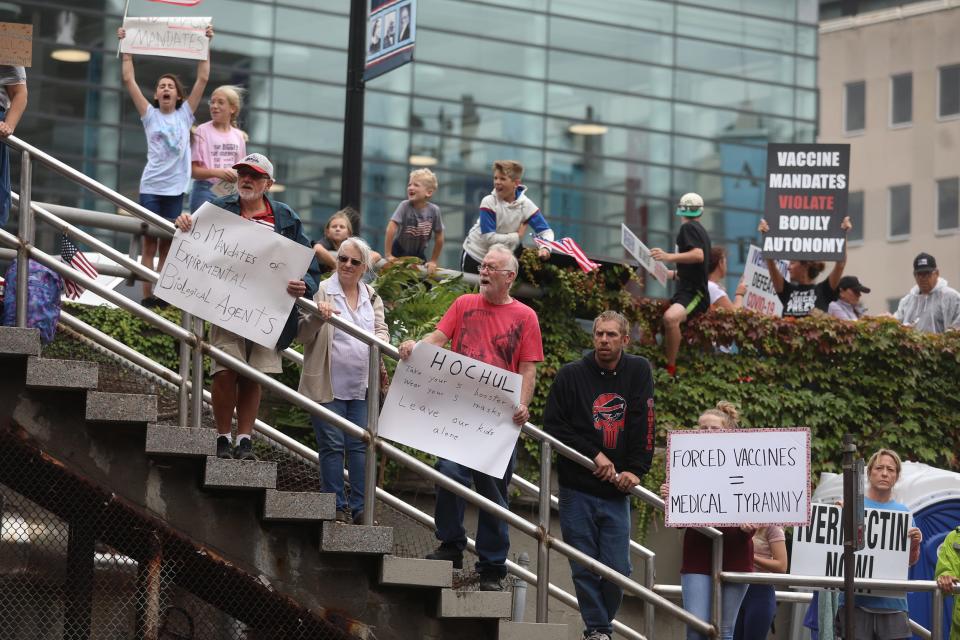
[608,414]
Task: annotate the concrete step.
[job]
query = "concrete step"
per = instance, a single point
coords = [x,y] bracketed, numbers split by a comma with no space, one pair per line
[507,630]
[225,473]
[474,604]
[355,538]
[416,572]
[16,341]
[299,506]
[49,373]
[173,440]
[121,407]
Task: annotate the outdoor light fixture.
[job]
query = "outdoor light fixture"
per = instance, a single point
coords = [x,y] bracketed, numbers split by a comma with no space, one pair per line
[587,127]
[421,160]
[66,50]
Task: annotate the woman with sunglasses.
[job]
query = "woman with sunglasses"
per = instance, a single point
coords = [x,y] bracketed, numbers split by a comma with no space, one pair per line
[336,371]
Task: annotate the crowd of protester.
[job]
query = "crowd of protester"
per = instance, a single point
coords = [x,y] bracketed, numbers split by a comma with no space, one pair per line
[594,504]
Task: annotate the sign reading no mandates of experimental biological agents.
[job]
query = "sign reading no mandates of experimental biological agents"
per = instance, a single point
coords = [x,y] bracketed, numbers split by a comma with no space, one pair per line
[806,201]
[726,478]
[233,272]
[454,407]
[818,545]
[168,37]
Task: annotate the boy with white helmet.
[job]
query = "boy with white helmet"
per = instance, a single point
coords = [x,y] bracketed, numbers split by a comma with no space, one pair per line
[691,274]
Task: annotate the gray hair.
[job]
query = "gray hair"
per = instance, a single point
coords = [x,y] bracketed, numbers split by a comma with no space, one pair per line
[504,249]
[361,246]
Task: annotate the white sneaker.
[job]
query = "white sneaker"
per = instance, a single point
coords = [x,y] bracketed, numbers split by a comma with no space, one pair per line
[596,635]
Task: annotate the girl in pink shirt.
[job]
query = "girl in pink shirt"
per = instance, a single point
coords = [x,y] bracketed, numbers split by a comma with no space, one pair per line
[217,145]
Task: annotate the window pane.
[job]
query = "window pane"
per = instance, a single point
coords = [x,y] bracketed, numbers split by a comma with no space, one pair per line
[901,107]
[735,94]
[948,204]
[900,211]
[950,90]
[698,22]
[608,40]
[734,60]
[855,212]
[855,118]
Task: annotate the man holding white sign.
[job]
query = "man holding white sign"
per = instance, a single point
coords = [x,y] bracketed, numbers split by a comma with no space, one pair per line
[231,391]
[602,406]
[493,328]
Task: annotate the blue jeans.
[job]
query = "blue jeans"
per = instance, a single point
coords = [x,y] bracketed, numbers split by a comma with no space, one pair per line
[493,537]
[756,613]
[697,589]
[600,528]
[168,207]
[200,193]
[4,177]
[332,443]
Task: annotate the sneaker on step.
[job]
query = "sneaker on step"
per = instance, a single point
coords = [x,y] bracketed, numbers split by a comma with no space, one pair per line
[224,448]
[491,581]
[244,450]
[448,552]
[343,516]
[596,635]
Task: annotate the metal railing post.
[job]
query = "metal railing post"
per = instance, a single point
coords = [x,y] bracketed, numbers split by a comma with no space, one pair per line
[936,615]
[373,414]
[716,566]
[543,547]
[197,377]
[183,416]
[649,611]
[520,589]
[26,233]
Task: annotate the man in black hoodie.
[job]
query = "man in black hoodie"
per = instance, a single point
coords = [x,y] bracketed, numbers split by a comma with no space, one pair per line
[602,406]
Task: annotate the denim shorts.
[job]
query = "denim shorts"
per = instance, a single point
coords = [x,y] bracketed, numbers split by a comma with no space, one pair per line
[168,207]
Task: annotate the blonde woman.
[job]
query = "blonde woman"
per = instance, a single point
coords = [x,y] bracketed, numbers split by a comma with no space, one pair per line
[217,145]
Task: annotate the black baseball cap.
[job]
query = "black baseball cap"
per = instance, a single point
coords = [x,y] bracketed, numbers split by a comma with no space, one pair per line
[924,263]
[852,282]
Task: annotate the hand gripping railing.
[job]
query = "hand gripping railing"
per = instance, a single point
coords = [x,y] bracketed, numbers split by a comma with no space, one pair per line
[193,340]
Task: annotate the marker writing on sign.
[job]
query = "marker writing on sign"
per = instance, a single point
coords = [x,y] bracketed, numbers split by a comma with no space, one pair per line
[456,367]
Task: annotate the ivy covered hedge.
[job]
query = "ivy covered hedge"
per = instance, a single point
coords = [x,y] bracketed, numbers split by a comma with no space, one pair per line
[887,385]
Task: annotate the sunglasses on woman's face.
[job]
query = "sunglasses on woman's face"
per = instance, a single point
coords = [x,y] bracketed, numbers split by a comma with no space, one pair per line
[353,261]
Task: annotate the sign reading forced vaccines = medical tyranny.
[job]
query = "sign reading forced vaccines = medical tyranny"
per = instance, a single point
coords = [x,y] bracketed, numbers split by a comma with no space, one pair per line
[391,32]
[727,478]
[806,201]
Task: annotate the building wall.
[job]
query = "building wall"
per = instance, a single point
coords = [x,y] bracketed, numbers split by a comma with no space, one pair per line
[872,47]
[690,93]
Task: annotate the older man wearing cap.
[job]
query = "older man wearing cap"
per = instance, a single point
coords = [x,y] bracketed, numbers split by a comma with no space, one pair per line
[931,305]
[692,273]
[231,391]
[847,306]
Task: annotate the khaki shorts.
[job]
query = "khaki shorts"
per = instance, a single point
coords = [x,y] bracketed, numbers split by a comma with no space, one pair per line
[260,358]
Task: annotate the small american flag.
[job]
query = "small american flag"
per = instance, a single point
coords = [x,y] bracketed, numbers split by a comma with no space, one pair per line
[568,247]
[72,256]
[181,3]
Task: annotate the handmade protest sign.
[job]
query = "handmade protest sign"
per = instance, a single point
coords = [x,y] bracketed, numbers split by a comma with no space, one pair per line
[16,44]
[723,478]
[233,272]
[818,544]
[760,296]
[168,37]
[806,201]
[641,254]
[454,407]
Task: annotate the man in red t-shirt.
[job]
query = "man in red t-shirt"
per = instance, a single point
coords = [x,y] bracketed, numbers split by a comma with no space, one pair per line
[494,328]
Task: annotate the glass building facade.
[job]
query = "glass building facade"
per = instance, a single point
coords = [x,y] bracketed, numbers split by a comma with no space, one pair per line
[685,96]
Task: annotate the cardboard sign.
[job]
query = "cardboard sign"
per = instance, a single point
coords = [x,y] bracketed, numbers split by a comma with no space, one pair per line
[760,296]
[168,37]
[806,201]
[454,407]
[16,44]
[725,478]
[818,544]
[641,254]
[233,272]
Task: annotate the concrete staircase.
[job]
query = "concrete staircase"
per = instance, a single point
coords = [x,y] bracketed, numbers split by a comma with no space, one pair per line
[288,538]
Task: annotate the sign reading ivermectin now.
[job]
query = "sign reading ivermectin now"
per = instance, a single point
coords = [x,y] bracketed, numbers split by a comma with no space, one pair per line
[806,201]
[454,407]
[727,478]
[818,544]
[233,272]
